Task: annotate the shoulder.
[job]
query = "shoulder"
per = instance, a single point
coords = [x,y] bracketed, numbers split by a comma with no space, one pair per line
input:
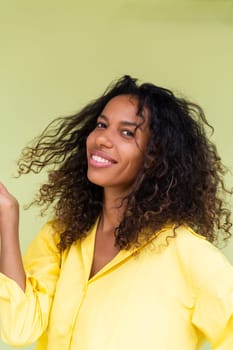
[45,242]
[196,246]
[181,238]
[50,232]
[202,261]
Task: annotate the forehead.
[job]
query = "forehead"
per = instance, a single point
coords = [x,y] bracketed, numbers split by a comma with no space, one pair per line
[125,106]
[123,103]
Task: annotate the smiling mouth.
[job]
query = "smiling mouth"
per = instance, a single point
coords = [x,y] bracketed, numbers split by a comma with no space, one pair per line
[100,160]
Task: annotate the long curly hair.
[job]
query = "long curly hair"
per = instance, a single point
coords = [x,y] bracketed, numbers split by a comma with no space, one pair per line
[180,182]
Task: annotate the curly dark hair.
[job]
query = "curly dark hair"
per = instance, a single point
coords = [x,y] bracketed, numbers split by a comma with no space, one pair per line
[180,181]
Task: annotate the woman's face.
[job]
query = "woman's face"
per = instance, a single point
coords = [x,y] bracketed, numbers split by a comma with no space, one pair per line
[116,147]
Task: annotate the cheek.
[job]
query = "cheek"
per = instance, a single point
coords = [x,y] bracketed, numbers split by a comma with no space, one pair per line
[89,140]
[135,162]
[138,162]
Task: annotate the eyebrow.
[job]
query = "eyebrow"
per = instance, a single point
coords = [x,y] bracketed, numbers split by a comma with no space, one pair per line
[123,122]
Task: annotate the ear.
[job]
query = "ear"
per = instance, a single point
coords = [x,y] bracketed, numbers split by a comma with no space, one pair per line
[149,161]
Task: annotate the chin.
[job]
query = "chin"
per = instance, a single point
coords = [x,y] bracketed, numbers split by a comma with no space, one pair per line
[96,180]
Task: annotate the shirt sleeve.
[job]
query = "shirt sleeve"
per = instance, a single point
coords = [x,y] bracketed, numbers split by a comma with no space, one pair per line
[211,276]
[24,315]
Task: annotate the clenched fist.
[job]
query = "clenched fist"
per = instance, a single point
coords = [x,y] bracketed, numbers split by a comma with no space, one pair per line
[9,213]
[10,256]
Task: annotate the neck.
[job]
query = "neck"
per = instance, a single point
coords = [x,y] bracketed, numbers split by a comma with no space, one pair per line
[113,211]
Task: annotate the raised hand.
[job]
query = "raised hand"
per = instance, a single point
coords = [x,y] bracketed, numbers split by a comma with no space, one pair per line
[9,213]
[10,258]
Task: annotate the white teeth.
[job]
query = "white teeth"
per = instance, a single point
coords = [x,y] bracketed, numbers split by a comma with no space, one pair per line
[100,160]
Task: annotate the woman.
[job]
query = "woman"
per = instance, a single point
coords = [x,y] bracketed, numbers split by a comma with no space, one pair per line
[132,178]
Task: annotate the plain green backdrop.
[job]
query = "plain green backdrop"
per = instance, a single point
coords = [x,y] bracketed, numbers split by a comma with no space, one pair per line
[57,55]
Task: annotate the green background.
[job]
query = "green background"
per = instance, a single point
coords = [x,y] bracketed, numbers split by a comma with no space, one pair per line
[57,55]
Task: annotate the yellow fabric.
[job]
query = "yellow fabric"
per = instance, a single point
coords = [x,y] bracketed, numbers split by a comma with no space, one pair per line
[157,296]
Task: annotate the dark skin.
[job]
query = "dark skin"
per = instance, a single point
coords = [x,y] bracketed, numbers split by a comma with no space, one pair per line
[115,151]
[105,249]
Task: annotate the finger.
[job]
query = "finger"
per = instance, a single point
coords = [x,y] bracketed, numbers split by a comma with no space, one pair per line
[3,189]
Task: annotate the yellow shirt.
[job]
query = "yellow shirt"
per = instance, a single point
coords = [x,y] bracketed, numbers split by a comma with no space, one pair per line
[156,297]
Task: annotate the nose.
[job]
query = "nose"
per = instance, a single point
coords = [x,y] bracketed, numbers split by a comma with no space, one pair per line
[104,139]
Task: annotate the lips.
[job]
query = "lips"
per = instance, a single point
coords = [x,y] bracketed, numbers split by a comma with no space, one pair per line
[101,159]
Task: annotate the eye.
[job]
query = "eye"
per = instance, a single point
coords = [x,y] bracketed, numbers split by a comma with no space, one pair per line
[128,133]
[100,125]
